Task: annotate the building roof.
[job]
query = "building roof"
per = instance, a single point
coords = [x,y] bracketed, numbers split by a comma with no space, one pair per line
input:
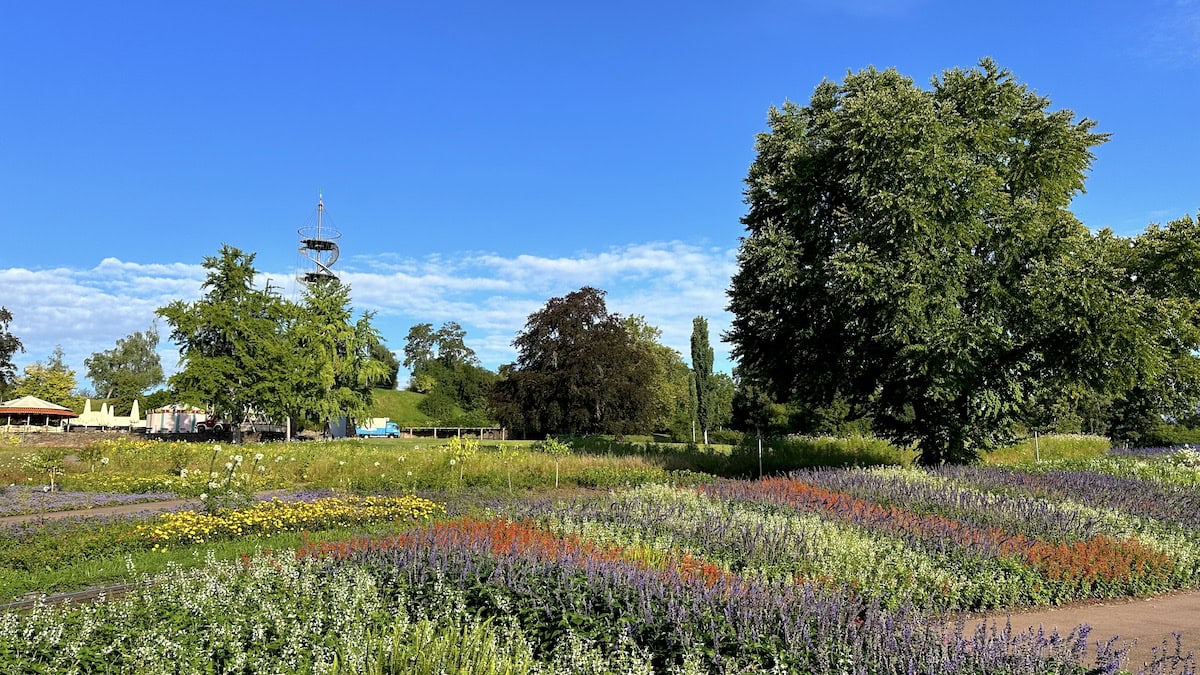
[32,405]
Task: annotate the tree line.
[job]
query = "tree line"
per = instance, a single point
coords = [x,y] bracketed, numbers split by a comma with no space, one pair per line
[120,375]
[910,268]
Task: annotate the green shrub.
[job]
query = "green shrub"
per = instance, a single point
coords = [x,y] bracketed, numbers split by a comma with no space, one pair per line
[725,437]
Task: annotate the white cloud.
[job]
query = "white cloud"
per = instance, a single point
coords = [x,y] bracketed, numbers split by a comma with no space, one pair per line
[87,310]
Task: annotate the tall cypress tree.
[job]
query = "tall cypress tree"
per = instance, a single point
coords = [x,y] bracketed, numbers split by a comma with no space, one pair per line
[702,368]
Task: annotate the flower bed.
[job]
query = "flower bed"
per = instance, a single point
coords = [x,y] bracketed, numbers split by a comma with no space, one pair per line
[194,527]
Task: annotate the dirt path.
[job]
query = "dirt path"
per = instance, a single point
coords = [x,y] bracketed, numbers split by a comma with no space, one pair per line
[1149,621]
[119,510]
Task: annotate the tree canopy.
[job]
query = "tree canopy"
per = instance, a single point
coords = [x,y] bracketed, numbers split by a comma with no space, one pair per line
[339,370]
[52,381]
[910,251]
[667,377]
[447,371]
[9,345]
[391,365]
[246,353]
[702,371]
[423,345]
[126,371]
[230,342]
[578,370]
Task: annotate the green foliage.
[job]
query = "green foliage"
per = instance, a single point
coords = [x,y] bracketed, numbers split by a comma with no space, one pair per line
[554,447]
[48,464]
[53,382]
[702,373]
[578,371]
[338,371]
[9,345]
[446,345]
[437,406]
[233,344]
[248,353]
[667,377]
[465,386]
[911,251]
[391,365]
[449,372]
[123,373]
[157,399]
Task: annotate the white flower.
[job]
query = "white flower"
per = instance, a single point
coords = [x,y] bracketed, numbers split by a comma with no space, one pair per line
[401,458]
[258,457]
[262,469]
[376,463]
[229,466]
[409,473]
[237,458]
[203,496]
[342,463]
[45,488]
[183,473]
[104,461]
[216,448]
[452,462]
[278,458]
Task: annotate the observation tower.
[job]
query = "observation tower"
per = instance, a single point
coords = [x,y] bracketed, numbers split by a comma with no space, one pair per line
[318,246]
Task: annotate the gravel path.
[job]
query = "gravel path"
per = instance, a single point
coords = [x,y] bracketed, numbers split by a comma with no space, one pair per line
[1148,621]
[119,510]
[122,509]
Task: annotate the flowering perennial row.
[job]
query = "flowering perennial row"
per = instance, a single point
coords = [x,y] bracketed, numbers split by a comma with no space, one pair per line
[556,586]
[193,527]
[1120,565]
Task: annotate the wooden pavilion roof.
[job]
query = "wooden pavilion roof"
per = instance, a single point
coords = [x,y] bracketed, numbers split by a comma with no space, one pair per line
[32,405]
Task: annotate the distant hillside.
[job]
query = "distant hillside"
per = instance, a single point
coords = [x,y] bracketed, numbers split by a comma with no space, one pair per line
[401,407]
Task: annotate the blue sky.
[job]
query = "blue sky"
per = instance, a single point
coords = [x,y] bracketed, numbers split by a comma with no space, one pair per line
[483,157]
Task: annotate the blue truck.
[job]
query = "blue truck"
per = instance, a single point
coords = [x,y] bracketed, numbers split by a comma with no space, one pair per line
[379,426]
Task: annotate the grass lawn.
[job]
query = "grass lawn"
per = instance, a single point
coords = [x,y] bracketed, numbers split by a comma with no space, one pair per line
[401,407]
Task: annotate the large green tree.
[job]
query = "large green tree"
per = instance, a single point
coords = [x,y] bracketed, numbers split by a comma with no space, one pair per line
[52,381]
[247,353]
[1162,262]
[702,371]
[9,345]
[391,364]
[910,250]
[126,371]
[578,370]
[420,345]
[235,357]
[667,377]
[341,371]
[448,371]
